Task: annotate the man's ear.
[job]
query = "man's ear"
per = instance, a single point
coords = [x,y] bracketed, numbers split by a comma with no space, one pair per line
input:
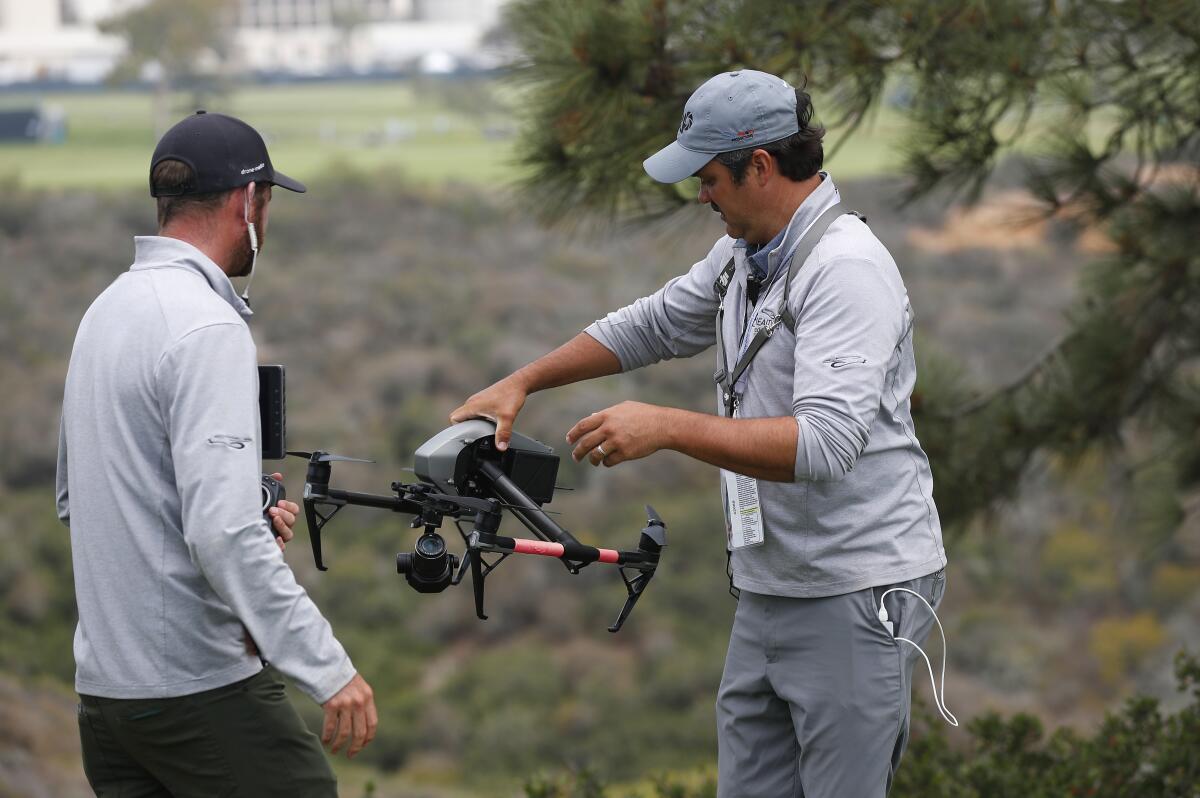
[762,166]
[248,201]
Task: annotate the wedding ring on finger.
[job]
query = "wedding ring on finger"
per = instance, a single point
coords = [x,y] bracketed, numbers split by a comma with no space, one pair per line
[601,448]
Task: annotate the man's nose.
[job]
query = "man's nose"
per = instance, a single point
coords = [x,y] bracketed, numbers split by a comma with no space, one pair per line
[702,195]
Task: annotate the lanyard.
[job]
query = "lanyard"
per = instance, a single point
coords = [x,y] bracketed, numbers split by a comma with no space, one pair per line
[727,378]
[723,377]
[751,328]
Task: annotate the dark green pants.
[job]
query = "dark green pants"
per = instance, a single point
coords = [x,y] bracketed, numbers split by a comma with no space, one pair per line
[244,739]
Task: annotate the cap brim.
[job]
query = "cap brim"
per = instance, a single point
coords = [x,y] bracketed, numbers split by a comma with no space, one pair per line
[675,162]
[283,181]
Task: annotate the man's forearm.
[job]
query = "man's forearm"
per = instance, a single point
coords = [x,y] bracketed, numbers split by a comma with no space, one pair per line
[763,448]
[581,358]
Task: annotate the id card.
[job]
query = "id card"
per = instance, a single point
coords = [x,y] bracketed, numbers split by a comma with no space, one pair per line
[745,515]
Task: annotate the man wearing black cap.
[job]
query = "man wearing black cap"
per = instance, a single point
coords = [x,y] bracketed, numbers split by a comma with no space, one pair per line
[833,537]
[178,579]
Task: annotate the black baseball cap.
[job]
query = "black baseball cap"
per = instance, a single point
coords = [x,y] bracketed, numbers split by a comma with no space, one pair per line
[223,151]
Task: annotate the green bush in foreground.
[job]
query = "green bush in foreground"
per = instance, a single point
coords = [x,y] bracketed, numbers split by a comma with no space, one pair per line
[1139,752]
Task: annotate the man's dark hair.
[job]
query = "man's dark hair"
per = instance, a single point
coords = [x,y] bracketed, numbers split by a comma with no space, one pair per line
[170,177]
[799,155]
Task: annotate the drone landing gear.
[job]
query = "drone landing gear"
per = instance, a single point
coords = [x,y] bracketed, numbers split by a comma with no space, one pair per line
[480,569]
[316,521]
[643,562]
[635,587]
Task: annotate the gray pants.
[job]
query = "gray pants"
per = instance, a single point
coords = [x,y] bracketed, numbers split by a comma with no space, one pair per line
[814,701]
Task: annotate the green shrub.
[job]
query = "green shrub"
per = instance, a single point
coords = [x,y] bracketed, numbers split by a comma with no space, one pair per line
[1080,562]
[1139,752]
[1121,644]
[1172,584]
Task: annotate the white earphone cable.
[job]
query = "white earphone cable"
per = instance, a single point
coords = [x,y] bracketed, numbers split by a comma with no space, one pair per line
[939,697]
[253,244]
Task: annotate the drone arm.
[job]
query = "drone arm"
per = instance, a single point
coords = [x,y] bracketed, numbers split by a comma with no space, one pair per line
[318,495]
[393,503]
[576,552]
[644,562]
[524,507]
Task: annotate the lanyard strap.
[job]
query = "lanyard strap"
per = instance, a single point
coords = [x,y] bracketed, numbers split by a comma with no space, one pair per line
[726,378]
[721,376]
[802,250]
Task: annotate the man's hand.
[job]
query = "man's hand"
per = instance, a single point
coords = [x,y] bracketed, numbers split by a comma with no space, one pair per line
[627,431]
[499,403]
[350,715]
[581,358]
[283,517]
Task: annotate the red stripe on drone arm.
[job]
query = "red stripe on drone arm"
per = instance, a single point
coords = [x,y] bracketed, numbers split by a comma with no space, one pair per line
[609,555]
[544,548]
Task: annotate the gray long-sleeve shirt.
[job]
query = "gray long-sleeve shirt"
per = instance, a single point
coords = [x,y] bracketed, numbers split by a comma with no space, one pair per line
[860,512]
[158,479]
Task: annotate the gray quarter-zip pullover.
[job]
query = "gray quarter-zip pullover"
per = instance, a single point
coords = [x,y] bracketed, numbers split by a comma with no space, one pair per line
[159,467]
[860,512]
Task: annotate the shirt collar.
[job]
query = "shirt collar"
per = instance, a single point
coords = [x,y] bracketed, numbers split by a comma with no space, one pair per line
[758,257]
[159,252]
[764,261]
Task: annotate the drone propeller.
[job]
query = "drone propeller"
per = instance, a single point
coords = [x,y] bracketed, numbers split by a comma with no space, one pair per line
[464,501]
[326,457]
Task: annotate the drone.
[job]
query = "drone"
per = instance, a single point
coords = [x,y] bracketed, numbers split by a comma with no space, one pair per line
[462,475]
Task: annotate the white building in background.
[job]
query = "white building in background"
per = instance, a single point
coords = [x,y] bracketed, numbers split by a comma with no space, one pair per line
[59,39]
[320,37]
[55,40]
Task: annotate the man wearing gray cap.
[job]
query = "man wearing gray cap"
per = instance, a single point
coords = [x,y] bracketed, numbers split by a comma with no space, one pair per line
[179,582]
[833,537]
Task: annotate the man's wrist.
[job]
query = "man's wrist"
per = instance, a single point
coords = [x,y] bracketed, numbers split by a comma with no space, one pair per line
[523,380]
[670,423]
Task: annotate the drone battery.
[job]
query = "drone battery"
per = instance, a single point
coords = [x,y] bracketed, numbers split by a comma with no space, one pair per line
[272,412]
[534,472]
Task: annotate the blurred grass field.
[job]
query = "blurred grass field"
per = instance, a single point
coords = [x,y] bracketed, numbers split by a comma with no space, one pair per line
[425,132]
[310,129]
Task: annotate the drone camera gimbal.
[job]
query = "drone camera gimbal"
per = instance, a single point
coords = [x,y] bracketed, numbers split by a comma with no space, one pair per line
[463,475]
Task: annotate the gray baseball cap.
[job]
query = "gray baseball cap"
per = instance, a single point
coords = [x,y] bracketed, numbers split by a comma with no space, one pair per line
[730,111]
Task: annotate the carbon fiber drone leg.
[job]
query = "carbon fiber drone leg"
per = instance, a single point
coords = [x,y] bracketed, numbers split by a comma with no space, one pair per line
[635,587]
[477,577]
